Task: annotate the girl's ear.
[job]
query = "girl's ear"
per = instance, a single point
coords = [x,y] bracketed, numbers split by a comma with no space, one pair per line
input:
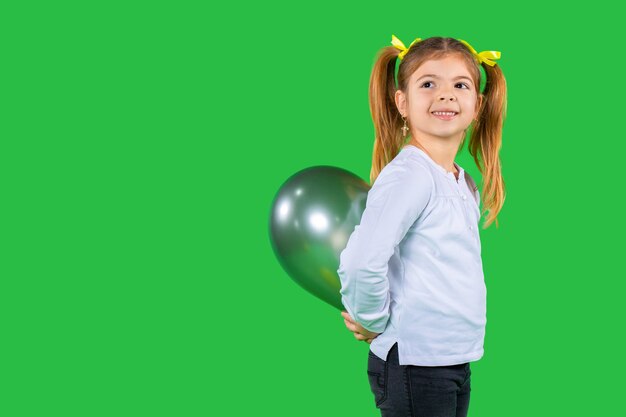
[401,102]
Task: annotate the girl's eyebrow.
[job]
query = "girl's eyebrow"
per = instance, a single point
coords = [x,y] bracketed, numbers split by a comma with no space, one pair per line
[436,76]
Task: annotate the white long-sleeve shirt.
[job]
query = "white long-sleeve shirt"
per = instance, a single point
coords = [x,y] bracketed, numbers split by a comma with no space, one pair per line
[412,269]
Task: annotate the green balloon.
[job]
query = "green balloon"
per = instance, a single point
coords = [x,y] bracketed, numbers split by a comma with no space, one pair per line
[312,217]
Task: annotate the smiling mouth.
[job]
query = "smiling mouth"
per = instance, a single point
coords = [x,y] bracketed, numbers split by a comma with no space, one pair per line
[444,115]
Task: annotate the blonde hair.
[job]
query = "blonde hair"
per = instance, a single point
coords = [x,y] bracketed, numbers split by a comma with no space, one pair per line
[486,139]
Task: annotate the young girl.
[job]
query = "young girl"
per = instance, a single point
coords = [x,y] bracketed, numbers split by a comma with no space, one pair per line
[411,274]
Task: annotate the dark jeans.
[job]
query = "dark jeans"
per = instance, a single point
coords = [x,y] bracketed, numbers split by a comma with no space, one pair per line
[418,391]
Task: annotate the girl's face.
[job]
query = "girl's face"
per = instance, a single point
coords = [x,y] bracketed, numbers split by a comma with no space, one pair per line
[440,85]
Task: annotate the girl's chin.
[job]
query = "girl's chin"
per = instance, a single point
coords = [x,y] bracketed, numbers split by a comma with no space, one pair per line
[452,134]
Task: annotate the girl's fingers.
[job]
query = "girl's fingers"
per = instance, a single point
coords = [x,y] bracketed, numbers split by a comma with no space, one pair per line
[354,328]
[346,316]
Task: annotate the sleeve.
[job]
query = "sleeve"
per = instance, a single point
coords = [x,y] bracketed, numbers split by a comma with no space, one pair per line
[394,202]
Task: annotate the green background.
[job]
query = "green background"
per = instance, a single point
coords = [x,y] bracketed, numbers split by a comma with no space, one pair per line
[143,142]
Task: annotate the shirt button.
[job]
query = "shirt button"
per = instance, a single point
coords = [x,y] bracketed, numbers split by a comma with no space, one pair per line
[471,227]
[464,197]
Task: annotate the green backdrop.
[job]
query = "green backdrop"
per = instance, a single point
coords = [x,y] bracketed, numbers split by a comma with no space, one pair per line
[143,142]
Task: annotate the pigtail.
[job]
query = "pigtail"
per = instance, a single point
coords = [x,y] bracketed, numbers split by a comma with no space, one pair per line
[486,141]
[385,115]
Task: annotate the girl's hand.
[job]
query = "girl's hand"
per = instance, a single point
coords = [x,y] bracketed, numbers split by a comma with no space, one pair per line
[359,332]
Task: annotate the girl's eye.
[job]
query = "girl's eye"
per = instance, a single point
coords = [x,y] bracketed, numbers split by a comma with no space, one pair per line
[430,82]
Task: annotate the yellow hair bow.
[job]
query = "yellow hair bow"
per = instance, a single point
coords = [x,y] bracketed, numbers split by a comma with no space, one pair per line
[399,45]
[484,55]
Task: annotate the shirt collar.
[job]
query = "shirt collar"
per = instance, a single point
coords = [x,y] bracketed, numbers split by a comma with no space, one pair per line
[438,167]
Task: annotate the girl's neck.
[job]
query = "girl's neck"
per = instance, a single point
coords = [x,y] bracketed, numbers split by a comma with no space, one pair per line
[442,156]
